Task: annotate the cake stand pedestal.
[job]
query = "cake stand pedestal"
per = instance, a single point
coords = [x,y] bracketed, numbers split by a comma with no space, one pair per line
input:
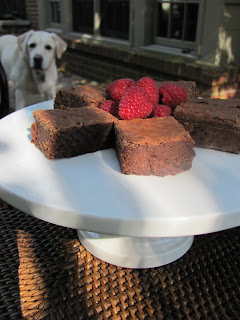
[135,252]
[130,221]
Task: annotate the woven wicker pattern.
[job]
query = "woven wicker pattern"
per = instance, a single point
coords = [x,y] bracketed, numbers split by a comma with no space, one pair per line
[47,274]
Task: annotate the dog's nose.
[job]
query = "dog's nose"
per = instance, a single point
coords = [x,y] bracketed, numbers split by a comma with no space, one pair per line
[38,61]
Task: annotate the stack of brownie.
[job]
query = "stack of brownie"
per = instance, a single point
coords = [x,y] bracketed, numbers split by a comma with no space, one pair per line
[153,146]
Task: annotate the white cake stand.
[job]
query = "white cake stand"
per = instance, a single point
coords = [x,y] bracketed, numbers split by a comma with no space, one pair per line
[130,221]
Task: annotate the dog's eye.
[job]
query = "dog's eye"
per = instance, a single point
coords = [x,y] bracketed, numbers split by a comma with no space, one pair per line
[32,45]
[48,47]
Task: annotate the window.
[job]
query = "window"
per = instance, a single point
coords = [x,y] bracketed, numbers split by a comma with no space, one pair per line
[82,15]
[55,12]
[114,18]
[12,10]
[176,22]
[108,18]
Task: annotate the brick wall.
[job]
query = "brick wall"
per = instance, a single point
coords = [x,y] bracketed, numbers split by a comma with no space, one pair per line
[18,27]
[104,64]
[104,70]
[32,13]
[15,27]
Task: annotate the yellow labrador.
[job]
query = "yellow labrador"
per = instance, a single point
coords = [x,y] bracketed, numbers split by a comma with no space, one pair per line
[29,61]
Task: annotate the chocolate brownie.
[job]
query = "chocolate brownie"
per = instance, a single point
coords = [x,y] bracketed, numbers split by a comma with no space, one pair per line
[212,123]
[68,133]
[154,146]
[190,87]
[79,96]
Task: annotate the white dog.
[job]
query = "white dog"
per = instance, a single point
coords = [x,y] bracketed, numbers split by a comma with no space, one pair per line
[29,61]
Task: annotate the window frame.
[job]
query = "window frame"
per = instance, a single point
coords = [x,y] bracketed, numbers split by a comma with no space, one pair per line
[96,26]
[51,23]
[82,32]
[181,44]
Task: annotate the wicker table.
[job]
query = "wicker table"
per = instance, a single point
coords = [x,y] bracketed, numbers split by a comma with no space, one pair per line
[45,273]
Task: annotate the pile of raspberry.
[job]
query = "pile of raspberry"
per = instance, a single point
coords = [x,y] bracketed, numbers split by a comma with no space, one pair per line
[128,99]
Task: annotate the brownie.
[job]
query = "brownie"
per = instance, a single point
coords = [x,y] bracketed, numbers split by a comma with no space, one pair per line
[154,146]
[190,87]
[67,133]
[79,96]
[212,123]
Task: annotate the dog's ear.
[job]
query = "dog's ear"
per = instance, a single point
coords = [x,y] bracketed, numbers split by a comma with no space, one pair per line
[23,39]
[61,45]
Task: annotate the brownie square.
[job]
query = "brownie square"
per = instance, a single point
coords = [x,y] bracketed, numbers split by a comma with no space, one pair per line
[154,146]
[67,133]
[79,96]
[212,123]
[190,87]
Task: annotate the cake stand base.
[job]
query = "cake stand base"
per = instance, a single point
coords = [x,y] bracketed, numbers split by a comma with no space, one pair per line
[135,252]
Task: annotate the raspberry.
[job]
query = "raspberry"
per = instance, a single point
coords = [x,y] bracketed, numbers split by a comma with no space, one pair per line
[110,106]
[150,88]
[116,89]
[172,94]
[161,110]
[134,104]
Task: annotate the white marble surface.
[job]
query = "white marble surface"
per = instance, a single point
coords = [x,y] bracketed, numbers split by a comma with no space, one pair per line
[88,192]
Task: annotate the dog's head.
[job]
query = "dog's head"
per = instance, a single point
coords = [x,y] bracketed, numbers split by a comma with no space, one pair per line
[41,47]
